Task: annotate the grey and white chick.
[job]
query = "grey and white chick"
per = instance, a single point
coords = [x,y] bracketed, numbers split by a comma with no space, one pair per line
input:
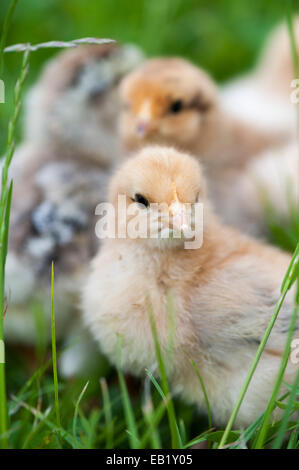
[60,173]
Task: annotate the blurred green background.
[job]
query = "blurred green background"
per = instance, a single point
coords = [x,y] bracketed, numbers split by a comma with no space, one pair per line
[224,36]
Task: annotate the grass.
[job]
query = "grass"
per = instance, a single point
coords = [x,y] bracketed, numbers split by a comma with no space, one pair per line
[5,203]
[54,356]
[176,440]
[272,402]
[129,413]
[38,411]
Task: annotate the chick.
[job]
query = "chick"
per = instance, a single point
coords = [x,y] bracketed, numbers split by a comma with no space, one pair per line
[60,173]
[170,101]
[222,293]
[263,95]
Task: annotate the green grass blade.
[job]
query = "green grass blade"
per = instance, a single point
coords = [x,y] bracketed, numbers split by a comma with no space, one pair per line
[252,369]
[249,432]
[77,410]
[292,272]
[65,435]
[287,414]
[3,248]
[5,201]
[283,365]
[294,439]
[6,223]
[108,413]
[175,434]
[156,384]
[41,330]
[195,442]
[3,407]
[153,419]
[35,429]
[204,392]
[129,414]
[197,439]
[6,25]
[54,355]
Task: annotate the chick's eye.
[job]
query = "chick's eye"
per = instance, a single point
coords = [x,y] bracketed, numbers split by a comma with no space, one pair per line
[141,200]
[176,106]
[76,77]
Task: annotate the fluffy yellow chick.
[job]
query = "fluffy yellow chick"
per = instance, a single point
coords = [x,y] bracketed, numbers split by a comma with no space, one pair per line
[223,292]
[170,101]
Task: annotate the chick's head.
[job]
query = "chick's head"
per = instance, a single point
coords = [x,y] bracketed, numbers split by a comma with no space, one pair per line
[75,102]
[155,194]
[165,101]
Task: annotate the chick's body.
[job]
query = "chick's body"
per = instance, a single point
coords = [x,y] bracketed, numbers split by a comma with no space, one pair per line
[223,295]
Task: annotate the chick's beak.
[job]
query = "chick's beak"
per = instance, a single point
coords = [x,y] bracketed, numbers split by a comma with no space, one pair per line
[144,119]
[179,215]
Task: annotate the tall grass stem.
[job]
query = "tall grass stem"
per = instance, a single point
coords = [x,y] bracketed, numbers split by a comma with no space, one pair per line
[54,355]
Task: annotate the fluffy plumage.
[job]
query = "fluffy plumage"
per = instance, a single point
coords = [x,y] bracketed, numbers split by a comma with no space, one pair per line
[60,174]
[272,180]
[223,295]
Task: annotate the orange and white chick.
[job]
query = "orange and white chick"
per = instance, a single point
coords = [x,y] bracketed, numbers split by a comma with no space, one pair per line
[222,294]
[172,102]
[169,101]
